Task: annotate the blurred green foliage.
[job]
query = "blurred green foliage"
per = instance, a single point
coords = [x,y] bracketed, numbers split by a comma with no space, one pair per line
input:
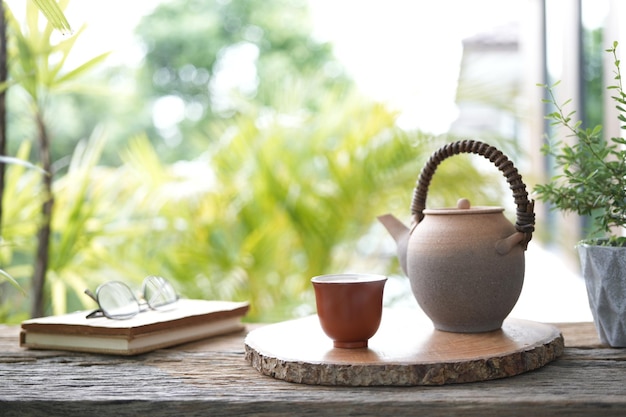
[205,61]
[280,190]
[278,199]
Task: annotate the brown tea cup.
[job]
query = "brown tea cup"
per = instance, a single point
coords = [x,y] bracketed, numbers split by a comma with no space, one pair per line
[349,307]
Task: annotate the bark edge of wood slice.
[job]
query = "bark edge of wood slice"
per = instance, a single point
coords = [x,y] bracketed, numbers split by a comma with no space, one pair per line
[405,351]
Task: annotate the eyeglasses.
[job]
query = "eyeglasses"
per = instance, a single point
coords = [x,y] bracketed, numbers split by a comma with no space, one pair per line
[117,301]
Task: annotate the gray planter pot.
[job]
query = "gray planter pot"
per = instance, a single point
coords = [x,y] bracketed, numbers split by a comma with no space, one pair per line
[604,270]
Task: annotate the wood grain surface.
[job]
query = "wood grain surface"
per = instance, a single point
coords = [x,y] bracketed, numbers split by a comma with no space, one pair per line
[211,377]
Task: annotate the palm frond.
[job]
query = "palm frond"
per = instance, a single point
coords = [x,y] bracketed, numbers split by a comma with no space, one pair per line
[54,14]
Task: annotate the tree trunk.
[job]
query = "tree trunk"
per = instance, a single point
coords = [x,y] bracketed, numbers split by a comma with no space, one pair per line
[3,119]
[43,235]
[3,124]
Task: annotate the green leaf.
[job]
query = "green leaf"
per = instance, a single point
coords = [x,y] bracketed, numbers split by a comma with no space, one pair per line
[12,160]
[7,277]
[76,72]
[54,14]
[596,130]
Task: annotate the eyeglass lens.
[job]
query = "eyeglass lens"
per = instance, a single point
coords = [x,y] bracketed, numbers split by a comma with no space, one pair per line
[117,300]
[158,292]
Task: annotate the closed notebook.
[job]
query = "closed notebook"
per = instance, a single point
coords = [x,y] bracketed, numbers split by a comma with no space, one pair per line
[184,321]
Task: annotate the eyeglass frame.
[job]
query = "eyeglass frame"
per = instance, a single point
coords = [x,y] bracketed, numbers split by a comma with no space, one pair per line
[141,302]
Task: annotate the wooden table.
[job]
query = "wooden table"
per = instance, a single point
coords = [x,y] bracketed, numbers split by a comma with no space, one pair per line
[211,377]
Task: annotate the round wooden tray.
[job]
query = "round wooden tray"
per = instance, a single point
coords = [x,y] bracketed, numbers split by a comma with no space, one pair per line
[406,350]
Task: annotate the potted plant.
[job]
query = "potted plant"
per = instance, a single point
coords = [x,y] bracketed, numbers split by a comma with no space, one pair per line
[591,181]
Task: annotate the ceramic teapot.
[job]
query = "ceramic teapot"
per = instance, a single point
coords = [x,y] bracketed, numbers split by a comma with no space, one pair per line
[465,264]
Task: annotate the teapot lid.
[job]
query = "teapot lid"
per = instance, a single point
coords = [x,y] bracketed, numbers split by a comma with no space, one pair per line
[463,206]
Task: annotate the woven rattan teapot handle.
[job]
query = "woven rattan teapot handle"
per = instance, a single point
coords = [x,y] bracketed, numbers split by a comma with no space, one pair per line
[525,222]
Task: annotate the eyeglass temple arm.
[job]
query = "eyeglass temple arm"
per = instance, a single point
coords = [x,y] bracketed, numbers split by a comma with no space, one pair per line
[95,313]
[91,295]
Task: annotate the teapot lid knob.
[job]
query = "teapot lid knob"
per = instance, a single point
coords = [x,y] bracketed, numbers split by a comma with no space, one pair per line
[463,203]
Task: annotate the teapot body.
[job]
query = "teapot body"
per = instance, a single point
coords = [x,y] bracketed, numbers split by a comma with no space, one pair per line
[457,274]
[465,264]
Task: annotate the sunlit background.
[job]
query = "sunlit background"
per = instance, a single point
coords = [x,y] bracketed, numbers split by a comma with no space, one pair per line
[407,54]
[450,67]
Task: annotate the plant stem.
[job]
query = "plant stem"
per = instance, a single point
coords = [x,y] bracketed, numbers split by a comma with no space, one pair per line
[43,234]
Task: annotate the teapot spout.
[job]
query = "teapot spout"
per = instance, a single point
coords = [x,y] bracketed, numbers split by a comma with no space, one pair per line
[400,234]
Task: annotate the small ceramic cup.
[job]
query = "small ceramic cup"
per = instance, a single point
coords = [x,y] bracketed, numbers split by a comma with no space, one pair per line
[349,307]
